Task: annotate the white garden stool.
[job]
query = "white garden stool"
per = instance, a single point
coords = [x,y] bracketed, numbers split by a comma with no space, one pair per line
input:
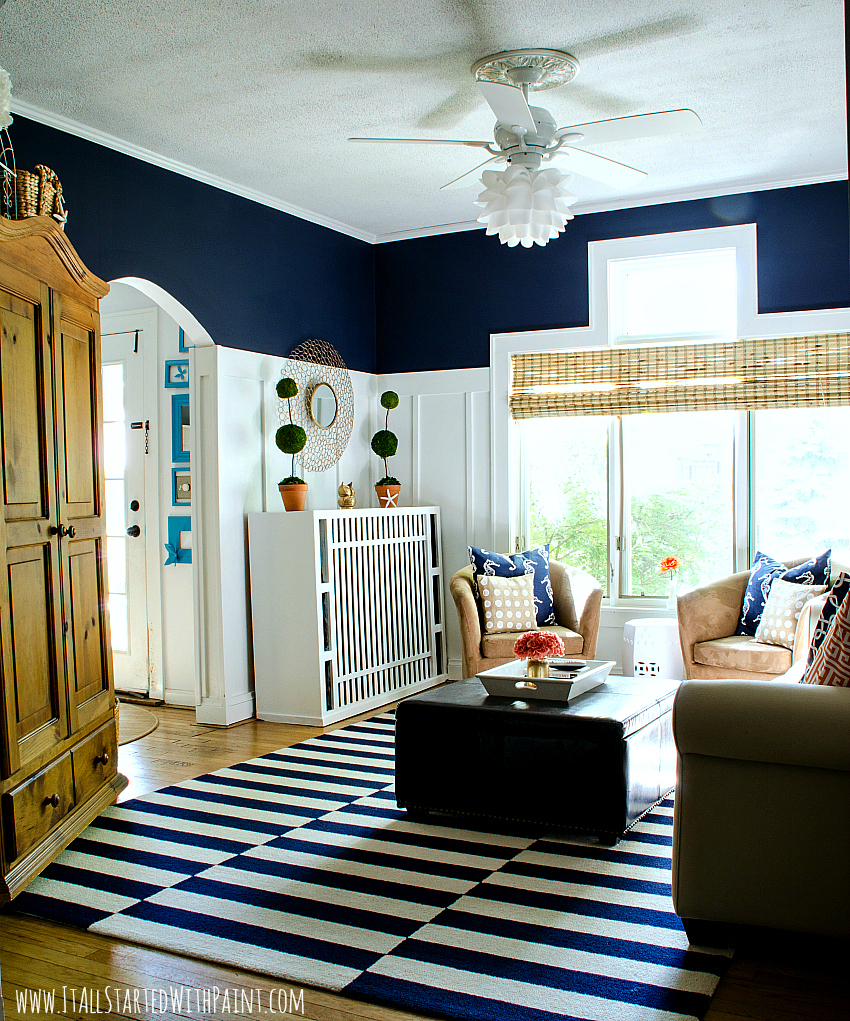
[651,648]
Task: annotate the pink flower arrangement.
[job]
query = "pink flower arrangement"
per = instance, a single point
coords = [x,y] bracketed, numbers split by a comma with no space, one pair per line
[538,645]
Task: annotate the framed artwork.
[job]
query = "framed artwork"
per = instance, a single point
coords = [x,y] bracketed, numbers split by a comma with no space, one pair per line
[180,428]
[182,346]
[179,545]
[181,487]
[177,373]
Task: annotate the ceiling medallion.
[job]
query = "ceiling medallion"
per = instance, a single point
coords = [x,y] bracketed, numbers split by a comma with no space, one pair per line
[538,69]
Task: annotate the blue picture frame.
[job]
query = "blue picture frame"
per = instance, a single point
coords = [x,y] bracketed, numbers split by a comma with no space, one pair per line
[175,501]
[179,420]
[182,346]
[177,373]
[178,523]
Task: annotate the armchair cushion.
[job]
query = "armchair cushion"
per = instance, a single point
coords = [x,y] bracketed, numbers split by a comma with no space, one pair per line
[534,561]
[762,573]
[725,654]
[501,646]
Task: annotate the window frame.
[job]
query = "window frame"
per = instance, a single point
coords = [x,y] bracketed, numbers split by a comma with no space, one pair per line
[505,447]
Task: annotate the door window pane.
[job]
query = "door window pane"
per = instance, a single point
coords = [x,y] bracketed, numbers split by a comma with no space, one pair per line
[119,623]
[677,498]
[116,558]
[801,481]
[113,392]
[567,477]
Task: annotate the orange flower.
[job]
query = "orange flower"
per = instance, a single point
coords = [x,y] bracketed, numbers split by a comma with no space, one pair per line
[669,564]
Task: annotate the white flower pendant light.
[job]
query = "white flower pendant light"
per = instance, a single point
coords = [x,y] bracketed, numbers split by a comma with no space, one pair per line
[525,207]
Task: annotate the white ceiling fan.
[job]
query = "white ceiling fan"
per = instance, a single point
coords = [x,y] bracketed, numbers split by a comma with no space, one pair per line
[527,136]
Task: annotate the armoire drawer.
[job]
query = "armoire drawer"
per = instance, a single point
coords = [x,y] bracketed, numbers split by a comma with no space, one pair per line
[38,805]
[95,761]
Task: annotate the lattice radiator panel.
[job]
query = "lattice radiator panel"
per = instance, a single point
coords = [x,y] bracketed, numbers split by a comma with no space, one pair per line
[363,610]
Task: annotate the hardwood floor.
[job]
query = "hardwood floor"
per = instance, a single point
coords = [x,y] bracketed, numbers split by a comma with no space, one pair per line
[799,980]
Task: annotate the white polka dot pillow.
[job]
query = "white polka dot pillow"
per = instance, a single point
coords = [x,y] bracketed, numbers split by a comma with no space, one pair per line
[507,604]
[781,612]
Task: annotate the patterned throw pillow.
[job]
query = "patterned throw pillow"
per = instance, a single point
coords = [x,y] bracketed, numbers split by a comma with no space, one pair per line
[762,573]
[832,660]
[507,604]
[840,588]
[534,561]
[778,623]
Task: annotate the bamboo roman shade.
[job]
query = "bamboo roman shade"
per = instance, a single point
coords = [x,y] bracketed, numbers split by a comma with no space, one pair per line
[784,372]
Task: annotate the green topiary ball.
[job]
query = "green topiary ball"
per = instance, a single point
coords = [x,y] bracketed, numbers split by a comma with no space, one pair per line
[389,400]
[286,388]
[290,438]
[385,443]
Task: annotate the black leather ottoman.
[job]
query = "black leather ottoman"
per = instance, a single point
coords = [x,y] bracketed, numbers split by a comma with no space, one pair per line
[593,765]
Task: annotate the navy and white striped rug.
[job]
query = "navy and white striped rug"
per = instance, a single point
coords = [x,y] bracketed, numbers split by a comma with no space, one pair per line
[299,865]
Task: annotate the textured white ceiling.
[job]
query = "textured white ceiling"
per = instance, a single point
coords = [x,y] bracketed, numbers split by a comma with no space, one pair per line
[264,94]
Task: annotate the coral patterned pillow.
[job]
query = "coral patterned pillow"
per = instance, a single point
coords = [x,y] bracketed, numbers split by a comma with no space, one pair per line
[831,664]
[507,604]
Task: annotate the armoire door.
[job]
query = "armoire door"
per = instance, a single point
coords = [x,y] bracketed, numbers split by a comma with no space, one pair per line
[30,593]
[82,524]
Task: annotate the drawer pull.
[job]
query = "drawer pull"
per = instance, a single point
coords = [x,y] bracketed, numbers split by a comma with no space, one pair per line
[52,800]
[102,759]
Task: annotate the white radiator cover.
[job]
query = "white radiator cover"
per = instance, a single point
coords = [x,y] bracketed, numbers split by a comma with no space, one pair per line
[347,610]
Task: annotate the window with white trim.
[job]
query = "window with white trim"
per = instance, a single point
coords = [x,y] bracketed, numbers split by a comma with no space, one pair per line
[618,493]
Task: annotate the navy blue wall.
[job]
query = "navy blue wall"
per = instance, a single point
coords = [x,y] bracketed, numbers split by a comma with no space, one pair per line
[265,281]
[255,278]
[440,298]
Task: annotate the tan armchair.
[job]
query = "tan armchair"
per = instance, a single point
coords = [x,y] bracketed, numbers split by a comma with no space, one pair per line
[577,597]
[708,618]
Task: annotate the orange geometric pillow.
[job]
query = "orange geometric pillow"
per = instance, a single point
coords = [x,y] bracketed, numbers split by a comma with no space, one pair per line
[831,664]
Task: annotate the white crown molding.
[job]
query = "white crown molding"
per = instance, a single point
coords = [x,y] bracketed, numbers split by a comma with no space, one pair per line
[71,127]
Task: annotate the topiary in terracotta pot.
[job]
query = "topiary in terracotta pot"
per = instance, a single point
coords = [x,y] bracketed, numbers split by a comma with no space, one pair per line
[291,439]
[385,444]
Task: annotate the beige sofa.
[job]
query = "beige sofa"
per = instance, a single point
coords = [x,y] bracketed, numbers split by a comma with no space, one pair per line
[761,831]
[577,598]
[708,618]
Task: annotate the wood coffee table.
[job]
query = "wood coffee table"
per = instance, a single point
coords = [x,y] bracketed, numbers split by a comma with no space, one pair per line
[593,765]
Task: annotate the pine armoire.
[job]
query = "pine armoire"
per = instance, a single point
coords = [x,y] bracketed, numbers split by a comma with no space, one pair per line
[58,738]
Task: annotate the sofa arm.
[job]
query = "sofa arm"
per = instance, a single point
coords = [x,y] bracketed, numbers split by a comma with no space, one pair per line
[794,724]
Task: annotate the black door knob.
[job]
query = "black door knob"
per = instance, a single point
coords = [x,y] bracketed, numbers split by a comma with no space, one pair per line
[135,531]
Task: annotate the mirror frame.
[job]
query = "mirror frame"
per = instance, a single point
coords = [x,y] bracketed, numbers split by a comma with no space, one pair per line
[313,393]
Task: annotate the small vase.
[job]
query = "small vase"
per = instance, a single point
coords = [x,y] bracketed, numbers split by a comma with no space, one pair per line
[536,668]
[671,595]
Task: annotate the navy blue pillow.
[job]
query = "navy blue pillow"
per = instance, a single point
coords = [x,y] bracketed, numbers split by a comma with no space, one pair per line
[834,599]
[533,561]
[764,569]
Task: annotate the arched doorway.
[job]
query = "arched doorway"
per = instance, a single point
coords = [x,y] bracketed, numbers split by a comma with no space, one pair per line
[147,341]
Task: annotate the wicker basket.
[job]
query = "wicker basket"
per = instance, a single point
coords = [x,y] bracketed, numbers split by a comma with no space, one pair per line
[39,193]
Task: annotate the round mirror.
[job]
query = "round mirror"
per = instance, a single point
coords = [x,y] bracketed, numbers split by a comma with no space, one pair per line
[323,406]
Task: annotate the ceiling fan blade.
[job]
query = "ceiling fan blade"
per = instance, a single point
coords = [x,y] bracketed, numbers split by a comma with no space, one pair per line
[462,182]
[509,105]
[598,168]
[642,125]
[427,141]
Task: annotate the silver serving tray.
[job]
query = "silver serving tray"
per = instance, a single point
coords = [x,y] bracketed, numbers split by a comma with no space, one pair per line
[567,679]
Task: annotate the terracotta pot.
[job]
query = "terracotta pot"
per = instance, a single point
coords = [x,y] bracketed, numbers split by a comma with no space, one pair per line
[388,495]
[293,495]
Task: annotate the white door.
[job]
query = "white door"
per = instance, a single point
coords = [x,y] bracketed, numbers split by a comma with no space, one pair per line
[126,435]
